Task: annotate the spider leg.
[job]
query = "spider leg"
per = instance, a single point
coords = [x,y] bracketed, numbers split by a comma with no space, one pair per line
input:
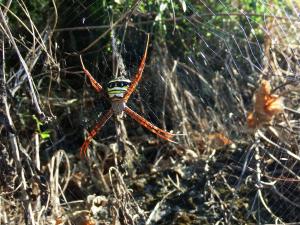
[159,132]
[103,119]
[138,75]
[94,83]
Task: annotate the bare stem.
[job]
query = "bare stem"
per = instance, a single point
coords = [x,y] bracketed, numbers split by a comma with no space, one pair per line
[30,81]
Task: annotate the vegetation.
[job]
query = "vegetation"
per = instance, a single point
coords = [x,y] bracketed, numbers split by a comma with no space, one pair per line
[223,76]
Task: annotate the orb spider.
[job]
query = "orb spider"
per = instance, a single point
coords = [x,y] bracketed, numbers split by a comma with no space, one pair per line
[118,92]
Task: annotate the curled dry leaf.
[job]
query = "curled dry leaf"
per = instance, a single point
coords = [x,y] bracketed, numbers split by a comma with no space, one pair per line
[266,106]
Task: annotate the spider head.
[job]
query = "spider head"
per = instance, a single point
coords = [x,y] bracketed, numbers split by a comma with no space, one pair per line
[116,88]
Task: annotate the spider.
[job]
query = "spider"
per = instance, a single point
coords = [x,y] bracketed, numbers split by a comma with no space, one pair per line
[118,92]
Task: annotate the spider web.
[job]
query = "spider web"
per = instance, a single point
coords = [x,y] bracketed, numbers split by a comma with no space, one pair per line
[221,72]
[260,45]
[204,85]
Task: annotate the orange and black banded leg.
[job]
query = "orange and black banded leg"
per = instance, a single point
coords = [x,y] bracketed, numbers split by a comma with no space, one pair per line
[94,83]
[154,129]
[138,76]
[103,119]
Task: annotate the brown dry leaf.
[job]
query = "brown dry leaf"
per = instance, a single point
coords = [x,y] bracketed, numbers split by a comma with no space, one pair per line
[58,221]
[80,218]
[266,106]
[89,222]
[218,140]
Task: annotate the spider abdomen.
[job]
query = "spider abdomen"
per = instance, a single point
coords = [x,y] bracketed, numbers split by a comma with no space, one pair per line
[117,88]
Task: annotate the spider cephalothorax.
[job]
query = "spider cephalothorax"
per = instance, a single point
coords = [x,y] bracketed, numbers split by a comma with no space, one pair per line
[118,92]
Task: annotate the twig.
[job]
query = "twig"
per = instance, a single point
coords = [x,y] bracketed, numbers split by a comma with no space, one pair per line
[156,208]
[39,40]
[7,7]
[30,81]
[15,149]
[259,183]
[279,147]
[55,187]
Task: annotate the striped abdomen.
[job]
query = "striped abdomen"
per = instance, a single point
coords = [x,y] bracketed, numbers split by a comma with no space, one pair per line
[117,88]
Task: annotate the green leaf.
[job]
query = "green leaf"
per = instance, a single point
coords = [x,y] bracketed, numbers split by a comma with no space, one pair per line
[44,134]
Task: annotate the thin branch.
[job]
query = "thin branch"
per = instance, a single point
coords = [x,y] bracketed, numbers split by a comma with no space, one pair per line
[15,148]
[30,81]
